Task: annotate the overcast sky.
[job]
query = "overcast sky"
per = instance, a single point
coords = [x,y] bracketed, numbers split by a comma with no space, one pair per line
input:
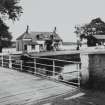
[44,15]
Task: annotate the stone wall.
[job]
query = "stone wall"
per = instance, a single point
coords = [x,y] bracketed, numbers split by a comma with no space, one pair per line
[93,66]
[97,70]
[84,68]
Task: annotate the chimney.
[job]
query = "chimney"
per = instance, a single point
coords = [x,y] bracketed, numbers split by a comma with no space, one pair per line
[55,29]
[27,30]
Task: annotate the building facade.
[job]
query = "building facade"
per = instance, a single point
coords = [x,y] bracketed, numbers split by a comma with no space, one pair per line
[38,41]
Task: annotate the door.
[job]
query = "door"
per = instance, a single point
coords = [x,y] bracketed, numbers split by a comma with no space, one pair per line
[25,47]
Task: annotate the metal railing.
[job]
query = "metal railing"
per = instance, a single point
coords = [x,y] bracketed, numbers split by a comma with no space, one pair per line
[47,67]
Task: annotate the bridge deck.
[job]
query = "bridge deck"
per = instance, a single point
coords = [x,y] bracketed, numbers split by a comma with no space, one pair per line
[18,88]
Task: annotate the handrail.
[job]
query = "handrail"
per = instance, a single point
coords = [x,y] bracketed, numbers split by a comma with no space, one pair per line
[57,60]
[49,65]
[70,72]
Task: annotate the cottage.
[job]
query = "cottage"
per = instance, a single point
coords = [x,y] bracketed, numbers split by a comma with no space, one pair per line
[38,41]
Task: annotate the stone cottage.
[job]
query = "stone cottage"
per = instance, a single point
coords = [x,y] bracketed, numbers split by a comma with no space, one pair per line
[38,41]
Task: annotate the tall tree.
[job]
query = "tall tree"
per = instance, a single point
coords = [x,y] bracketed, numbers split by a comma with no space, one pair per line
[5,35]
[95,27]
[9,9]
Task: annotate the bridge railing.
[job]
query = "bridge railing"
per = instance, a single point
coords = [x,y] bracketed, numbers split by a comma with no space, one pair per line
[46,67]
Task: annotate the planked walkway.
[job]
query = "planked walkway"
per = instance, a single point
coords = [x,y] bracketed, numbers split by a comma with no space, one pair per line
[18,88]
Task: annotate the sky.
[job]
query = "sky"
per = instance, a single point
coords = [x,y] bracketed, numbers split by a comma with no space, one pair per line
[44,15]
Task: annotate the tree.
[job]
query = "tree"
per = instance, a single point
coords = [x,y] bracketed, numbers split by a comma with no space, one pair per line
[9,9]
[5,35]
[95,27]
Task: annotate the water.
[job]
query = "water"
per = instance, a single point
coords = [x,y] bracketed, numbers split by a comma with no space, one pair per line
[70,68]
[69,47]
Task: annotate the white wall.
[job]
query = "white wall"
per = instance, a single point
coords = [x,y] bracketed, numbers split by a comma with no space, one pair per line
[29,48]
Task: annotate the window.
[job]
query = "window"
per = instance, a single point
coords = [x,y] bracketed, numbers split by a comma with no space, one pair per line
[33,47]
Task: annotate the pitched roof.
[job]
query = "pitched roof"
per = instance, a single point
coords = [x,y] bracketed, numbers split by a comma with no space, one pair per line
[21,36]
[42,36]
[99,36]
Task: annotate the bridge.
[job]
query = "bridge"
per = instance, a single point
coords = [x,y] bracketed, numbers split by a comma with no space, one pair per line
[18,87]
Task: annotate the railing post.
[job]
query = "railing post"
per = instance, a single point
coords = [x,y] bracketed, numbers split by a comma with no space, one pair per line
[78,75]
[21,65]
[53,68]
[35,65]
[10,62]
[2,60]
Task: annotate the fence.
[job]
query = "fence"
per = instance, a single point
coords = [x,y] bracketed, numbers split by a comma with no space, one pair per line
[47,67]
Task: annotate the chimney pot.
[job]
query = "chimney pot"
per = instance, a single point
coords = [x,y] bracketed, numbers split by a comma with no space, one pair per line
[27,30]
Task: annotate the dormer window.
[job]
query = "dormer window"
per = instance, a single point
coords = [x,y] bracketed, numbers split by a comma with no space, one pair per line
[39,36]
